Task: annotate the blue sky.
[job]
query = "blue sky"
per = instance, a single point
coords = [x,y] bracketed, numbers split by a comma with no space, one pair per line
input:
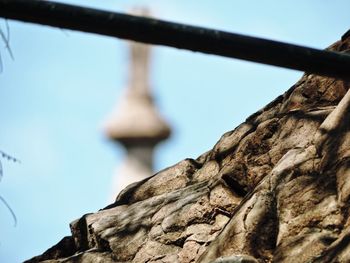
[62,85]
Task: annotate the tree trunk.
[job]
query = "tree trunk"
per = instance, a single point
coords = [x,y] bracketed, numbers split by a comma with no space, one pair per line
[275,189]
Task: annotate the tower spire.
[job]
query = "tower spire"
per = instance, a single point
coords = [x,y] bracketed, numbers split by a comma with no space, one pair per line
[139,68]
[136,123]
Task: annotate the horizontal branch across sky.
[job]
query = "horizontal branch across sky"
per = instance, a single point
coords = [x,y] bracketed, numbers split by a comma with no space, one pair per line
[153,31]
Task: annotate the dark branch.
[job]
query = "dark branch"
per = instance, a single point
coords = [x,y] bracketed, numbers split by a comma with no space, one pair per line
[181,36]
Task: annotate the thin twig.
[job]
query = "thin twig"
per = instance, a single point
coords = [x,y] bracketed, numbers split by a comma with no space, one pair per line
[7,30]
[9,157]
[10,209]
[13,159]
[6,39]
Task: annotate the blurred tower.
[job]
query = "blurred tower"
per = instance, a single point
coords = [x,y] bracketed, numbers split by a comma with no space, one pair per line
[136,123]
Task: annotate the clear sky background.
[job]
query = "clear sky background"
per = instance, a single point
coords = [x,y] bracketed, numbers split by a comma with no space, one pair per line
[62,85]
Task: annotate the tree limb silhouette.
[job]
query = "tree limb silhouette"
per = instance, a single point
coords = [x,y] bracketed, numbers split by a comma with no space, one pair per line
[153,31]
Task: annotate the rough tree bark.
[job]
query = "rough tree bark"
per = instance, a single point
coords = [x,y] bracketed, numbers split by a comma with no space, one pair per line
[275,189]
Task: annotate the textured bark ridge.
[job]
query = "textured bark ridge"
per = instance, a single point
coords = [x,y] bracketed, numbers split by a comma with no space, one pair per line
[275,189]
